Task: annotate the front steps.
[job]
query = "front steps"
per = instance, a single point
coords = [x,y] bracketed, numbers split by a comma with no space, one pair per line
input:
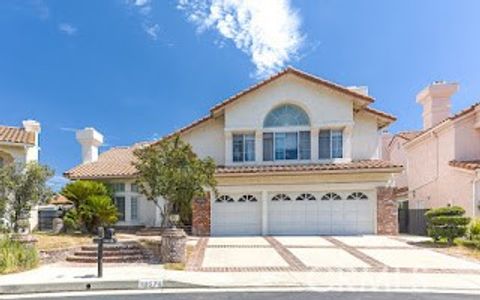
[121,252]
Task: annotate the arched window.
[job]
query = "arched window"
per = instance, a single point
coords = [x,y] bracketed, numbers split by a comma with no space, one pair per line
[224,198]
[331,196]
[306,196]
[280,197]
[246,198]
[286,115]
[357,196]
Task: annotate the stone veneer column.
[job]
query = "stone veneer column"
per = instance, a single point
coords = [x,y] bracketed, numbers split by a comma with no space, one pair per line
[387,211]
[201,216]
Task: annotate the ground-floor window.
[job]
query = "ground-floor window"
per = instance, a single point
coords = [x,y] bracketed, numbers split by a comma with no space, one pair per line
[120,204]
[134,208]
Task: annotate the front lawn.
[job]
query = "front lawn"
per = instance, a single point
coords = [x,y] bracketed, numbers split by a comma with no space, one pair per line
[49,241]
[16,257]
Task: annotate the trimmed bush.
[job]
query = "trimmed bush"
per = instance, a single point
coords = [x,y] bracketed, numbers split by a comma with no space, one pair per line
[474,229]
[446,223]
[16,257]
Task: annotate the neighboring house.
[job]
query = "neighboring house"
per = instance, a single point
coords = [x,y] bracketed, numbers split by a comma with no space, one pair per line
[394,151]
[442,161]
[20,145]
[296,154]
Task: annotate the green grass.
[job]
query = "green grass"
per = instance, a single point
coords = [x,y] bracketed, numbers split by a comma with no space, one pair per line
[15,257]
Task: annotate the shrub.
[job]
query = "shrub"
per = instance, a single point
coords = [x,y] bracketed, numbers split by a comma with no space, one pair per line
[93,206]
[446,223]
[15,257]
[98,211]
[474,229]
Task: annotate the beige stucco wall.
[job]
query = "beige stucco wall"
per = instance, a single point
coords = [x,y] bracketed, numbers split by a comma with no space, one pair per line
[325,108]
[398,155]
[18,152]
[366,139]
[208,139]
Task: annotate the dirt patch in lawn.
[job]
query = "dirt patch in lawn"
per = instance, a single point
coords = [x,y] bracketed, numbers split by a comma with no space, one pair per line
[457,249]
[48,241]
[180,266]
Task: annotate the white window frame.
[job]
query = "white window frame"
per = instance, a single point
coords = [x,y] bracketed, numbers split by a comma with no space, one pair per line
[243,134]
[331,158]
[296,130]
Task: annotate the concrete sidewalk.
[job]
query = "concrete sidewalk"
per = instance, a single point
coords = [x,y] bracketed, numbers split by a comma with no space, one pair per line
[61,277]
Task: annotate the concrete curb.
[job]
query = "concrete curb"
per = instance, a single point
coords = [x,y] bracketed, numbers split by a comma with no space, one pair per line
[100,285]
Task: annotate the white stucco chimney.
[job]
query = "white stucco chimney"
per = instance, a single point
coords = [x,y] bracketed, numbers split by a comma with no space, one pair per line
[436,102]
[90,139]
[32,151]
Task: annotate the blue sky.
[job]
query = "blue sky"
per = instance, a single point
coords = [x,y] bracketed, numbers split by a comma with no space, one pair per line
[138,69]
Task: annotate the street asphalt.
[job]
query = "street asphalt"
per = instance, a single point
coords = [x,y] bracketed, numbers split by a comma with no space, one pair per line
[273,296]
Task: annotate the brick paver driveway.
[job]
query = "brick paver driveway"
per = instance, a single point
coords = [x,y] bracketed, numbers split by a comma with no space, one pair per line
[322,254]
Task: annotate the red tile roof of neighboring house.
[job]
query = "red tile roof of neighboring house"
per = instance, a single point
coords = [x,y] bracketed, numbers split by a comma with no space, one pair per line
[314,168]
[16,135]
[465,164]
[452,118]
[59,200]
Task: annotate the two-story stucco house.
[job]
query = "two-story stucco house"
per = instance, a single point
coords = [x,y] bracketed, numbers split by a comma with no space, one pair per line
[20,145]
[296,154]
[442,161]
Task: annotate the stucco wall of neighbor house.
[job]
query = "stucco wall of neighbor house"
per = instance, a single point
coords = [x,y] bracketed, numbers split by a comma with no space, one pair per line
[398,155]
[208,139]
[432,182]
[467,139]
[18,152]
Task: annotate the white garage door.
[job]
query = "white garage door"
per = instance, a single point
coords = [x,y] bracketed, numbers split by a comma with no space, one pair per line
[320,213]
[236,215]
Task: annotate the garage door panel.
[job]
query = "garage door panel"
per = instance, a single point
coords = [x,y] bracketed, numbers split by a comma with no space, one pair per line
[237,217]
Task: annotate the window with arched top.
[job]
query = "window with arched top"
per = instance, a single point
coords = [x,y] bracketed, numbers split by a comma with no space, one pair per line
[331,196]
[224,198]
[306,196]
[281,197]
[288,145]
[286,115]
[247,198]
[357,196]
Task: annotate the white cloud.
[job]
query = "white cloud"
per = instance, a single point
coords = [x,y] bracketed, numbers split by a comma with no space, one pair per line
[67,28]
[144,7]
[152,30]
[57,182]
[267,30]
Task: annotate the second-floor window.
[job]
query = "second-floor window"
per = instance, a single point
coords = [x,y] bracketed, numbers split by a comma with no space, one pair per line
[286,145]
[117,187]
[330,144]
[243,147]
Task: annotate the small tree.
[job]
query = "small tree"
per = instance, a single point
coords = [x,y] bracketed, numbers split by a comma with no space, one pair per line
[93,205]
[446,222]
[170,169]
[21,188]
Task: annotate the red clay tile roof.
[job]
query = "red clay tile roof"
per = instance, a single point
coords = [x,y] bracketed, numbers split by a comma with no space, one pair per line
[465,164]
[452,118]
[299,73]
[314,168]
[387,118]
[16,135]
[59,200]
[114,163]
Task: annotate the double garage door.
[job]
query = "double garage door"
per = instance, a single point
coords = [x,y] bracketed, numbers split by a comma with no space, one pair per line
[294,213]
